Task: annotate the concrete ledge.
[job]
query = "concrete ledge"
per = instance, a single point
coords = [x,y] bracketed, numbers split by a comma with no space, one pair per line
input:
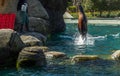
[93,21]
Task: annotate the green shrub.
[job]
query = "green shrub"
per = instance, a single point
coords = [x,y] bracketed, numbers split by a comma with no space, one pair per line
[72,8]
[118,14]
[105,14]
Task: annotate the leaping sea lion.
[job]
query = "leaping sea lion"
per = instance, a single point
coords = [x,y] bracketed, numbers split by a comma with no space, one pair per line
[82,22]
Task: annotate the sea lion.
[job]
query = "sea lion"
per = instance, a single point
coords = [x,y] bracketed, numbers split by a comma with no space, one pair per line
[82,22]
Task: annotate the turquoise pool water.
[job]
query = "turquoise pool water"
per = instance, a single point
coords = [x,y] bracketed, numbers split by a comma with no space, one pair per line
[101,40]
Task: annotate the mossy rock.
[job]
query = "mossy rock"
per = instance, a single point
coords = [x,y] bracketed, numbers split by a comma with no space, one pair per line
[26,63]
[32,56]
[82,58]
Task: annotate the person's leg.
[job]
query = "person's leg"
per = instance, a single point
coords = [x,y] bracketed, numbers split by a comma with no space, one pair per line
[27,22]
[21,21]
[23,18]
[27,27]
[21,28]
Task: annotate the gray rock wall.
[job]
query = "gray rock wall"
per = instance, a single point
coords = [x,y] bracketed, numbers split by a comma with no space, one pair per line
[39,25]
[55,10]
[36,9]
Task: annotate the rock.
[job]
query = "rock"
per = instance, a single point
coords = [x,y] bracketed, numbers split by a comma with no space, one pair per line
[55,10]
[33,39]
[57,23]
[81,58]
[116,55]
[39,25]
[54,55]
[8,6]
[31,56]
[10,45]
[43,48]
[10,40]
[36,9]
[67,15]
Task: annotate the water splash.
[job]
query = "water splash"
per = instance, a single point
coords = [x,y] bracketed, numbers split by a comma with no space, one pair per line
[66,37]
[79,40]
[116,35]
[90,40]
[100,37]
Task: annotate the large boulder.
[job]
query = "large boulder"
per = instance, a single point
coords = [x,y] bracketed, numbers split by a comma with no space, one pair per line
[8,6]
[55,10]
[36,9]
[32,56]
[116,55]
[38,17]
[33,39]
[10,40]
[10,45]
